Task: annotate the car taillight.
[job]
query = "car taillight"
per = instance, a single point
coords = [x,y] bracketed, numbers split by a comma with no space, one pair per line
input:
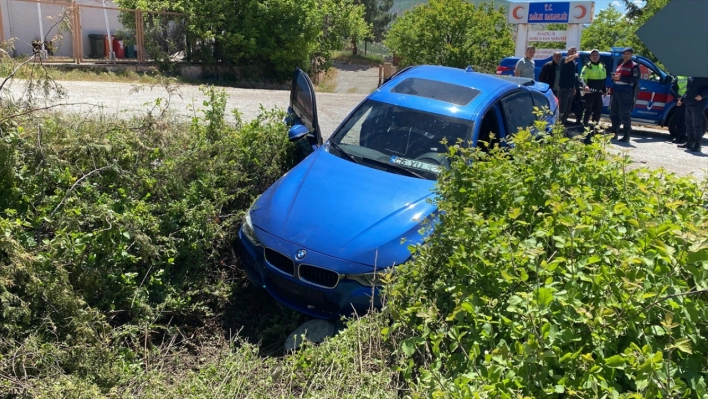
[502,69]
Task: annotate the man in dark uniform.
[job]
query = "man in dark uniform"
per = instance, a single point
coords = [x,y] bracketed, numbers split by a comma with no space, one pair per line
[568,83]
[678,122]
[625,81]
[695,99]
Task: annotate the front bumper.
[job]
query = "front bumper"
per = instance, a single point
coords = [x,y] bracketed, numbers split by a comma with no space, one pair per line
[346,298]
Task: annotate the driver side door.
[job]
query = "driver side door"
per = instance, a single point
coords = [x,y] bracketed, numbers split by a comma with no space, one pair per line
[652,93]
[302,114]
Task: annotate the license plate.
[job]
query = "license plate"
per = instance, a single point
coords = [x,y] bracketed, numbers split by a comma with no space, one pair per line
[412,163]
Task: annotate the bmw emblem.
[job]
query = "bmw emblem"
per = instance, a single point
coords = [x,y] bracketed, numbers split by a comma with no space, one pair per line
[300,254]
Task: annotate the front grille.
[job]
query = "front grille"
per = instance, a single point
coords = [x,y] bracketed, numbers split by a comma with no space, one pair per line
[317,275]
[280,261]
[302,295]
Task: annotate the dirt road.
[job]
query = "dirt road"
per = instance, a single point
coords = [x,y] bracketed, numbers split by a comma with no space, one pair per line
[648,147]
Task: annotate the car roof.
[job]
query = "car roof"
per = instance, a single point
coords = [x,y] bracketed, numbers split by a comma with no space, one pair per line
[490,88]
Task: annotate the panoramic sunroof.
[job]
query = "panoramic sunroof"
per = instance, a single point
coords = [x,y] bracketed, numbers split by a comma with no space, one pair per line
[442,91]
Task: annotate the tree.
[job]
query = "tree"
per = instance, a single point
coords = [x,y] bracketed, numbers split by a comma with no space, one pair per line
[609,29]
[267,37]
[638,19]
[377,13]
[452,32]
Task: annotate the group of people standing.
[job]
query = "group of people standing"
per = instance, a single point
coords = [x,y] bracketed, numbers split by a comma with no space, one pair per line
[561,74]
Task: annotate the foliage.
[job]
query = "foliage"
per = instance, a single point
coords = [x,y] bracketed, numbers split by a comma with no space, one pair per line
[268,38]
[609,29]
[647,11]
[454,33]
[557,271]
[378,14]
[116,234]
[351,364]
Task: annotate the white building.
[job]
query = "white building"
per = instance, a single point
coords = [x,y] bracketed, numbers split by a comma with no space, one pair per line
[24,21]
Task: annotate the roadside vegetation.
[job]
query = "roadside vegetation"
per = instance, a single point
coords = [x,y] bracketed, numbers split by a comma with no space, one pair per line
[556,271]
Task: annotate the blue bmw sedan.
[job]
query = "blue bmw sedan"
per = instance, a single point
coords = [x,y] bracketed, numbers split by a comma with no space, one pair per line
[320,237]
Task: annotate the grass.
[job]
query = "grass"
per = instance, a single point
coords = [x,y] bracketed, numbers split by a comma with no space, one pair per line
[329,83]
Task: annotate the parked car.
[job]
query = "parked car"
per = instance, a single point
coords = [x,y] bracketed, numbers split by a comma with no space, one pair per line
[654,106]
[321,236]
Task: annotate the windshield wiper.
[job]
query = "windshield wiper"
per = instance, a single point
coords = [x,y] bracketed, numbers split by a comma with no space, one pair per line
[338,148]
[397,167]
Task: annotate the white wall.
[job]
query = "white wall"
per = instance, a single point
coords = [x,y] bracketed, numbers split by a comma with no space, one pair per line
[21,22]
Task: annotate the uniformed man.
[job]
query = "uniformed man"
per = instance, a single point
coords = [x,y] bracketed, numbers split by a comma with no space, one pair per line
[592,78]
[678,122]
[625,80]
[696,98]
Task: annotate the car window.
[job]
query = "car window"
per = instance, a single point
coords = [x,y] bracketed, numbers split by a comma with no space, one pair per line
[386,133]
[518,111]
[489,130]
[433,89]
[649,73]
[541,102]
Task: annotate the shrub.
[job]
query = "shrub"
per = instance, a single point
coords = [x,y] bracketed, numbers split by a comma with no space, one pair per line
[116,234]
[557,270]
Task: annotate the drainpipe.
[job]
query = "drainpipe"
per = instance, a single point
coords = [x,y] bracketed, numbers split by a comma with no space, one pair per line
[111,54]
[43,51]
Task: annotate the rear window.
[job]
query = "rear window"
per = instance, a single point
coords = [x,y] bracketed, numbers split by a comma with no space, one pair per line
[436,90]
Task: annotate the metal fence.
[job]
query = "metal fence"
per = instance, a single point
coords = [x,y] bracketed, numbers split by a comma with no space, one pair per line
[69,31]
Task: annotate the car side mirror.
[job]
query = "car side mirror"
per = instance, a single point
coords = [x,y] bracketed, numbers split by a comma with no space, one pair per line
[296,132]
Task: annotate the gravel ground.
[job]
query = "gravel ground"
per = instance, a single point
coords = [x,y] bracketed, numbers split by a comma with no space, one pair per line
[648,147]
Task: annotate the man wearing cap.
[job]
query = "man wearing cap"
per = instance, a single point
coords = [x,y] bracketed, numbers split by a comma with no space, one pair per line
[625,80]
[695,98]
[592,78]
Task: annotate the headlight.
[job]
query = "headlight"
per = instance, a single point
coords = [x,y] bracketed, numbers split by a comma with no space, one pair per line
[247,228]
[377,278]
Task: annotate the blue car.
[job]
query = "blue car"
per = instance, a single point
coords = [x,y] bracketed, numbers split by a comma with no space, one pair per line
[321,236]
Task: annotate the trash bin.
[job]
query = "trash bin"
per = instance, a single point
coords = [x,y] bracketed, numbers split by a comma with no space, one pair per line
[118,48]
[106,46]
[131,51]
[97,46]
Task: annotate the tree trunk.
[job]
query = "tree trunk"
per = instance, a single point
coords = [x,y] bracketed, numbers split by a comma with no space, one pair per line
[355,50]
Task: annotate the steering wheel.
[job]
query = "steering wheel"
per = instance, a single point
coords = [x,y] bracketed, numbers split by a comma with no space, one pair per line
[434,158]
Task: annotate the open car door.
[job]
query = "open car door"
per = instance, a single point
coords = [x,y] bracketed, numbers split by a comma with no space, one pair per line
[302,113]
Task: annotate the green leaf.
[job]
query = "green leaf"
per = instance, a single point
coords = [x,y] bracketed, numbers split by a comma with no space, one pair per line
[658,330]
[683,344]
[544,297]
[409,345]
[615,362]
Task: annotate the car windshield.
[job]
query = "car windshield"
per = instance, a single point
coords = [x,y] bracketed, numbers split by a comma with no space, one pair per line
[399,140]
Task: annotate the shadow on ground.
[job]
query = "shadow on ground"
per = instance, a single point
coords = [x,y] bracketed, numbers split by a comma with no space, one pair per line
[256,317]
[351,67]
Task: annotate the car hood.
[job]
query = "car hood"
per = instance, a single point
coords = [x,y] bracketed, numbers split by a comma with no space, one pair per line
[345,210]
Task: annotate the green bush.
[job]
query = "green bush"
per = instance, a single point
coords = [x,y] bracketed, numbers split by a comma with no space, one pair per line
[117,234]
[557,270]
